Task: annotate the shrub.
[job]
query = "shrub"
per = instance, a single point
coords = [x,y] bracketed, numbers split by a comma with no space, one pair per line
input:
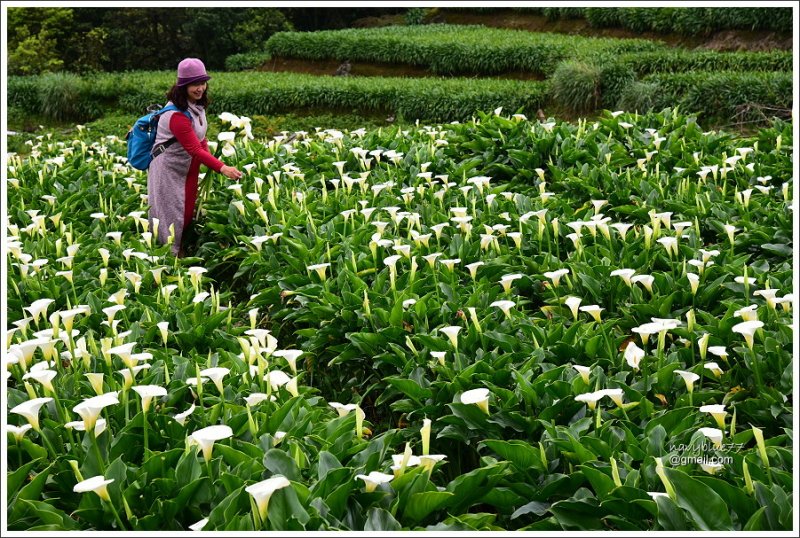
[640,97]
[415,16]
[246,60]
[614,78]
[577,86]
[62,97]
[723,94]
[603,17]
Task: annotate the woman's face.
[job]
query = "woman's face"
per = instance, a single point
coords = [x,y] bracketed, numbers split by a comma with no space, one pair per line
[196,91]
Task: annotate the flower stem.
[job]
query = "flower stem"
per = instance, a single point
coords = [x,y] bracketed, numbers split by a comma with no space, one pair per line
[98,455]
[116,515]
[144,425]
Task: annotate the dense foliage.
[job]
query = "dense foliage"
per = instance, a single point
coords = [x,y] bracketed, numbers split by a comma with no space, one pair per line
[681,20]
[44,39]
[450,49]
[434,99]
[535,326]
[579,86]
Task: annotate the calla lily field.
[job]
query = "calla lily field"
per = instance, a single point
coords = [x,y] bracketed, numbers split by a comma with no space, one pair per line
[494,324]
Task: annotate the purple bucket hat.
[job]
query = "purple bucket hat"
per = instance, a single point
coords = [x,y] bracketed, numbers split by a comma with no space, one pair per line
[191,71]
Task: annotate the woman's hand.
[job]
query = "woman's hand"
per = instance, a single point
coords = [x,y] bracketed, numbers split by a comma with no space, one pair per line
[230,172]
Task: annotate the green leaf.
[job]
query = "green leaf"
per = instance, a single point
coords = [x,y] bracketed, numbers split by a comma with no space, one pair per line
[327,462]
[18,477]
[577,515]
[33,490]
[410,388]
[379,519]
[758,521]
[601,482]
[534,507]
[49,515]
[422,504]
[707,509]
[279,462]
[520,453]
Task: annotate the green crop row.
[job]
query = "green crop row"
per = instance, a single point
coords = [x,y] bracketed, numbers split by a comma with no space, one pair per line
[450,49]
[246,60]
[82,98]
[723,94]
[682,20]
[679,61]
[691,21]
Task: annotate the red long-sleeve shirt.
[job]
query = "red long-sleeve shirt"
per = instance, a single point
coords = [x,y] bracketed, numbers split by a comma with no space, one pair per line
[181,127]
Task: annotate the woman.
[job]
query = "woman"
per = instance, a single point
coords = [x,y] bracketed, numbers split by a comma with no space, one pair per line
[179,150]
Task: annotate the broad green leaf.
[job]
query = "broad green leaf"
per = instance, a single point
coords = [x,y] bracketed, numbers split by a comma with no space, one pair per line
[422,504]
[707,510]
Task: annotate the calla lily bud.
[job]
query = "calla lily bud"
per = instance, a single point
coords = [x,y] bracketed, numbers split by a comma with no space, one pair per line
[426,436]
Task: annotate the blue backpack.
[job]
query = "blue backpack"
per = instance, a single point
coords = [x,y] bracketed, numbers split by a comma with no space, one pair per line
[142,136]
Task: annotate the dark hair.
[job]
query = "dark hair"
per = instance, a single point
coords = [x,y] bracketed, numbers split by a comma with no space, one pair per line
[180,98]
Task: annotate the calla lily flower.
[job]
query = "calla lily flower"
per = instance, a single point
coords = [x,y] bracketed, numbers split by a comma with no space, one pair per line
[748,313]
[163,327]
[716,411]
[43,376]
[507,280]
[18,431]
[694,281]
[205,438]
[714,367]
[473,269]
[96,380]
[199,525]
[573,303]
[505,306]
[99,426]
[452,333]
[439,356]
[591,398]
[262,492]
[343,409]
[719,351]
[479,397]
[291,356]
[711,468]
[714,434]
[97,484]
[89,409]
[646,280]
[689,378]
[592,310]
[39,308]
[374,479]
[555,276]
[425,432]
[216,375]
[748,329]
[180,418]
[148,392]
[645,330]
[30,410]
[624,274]
[429,460]
[583,371]
[633,355]
[615,395]
[319,268]
[128,374]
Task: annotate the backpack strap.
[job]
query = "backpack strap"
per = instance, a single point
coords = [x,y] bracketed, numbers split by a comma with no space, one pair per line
[158,149]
